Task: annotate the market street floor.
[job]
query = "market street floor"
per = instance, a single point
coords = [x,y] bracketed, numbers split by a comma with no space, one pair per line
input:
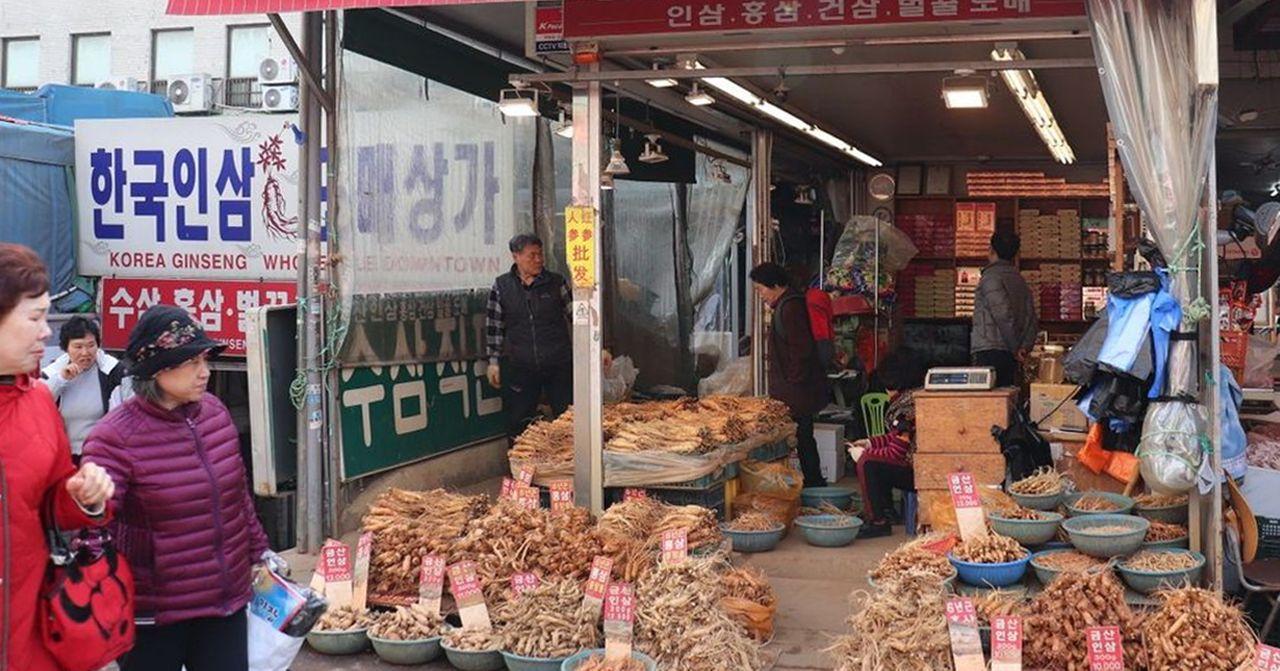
[813,586]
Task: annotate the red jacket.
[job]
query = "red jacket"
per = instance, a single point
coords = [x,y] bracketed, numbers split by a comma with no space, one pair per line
[35,456]
[820,313]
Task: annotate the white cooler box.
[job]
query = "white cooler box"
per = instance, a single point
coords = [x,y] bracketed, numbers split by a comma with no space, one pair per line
[831,454]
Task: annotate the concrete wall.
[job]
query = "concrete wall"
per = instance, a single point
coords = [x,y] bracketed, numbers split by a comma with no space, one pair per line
[130,23]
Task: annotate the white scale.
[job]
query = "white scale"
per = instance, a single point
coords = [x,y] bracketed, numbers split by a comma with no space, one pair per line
[971,378]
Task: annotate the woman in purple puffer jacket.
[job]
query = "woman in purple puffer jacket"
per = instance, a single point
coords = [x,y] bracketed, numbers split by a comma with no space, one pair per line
[184,514]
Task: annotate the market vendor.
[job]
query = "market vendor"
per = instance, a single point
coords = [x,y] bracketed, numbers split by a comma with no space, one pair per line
[796,376]
[884,462]
[1004,314]
[530,347]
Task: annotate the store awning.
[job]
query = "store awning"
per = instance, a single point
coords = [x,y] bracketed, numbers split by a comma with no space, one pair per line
[220,7]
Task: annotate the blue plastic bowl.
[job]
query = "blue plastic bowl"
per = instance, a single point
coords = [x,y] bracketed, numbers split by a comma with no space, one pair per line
[1124,504]
[990,575]
[814,497]
[1027,532]
[575,661]
[519,663]
[1105,546]
[829,531]
[1146,582]
[1038,501]
[754,541]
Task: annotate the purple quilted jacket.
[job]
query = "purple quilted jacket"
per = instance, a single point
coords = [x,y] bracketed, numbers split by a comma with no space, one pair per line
[184,516]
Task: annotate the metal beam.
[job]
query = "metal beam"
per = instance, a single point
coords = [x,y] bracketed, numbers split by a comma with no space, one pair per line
[309,73]
[580,76]
[710,48]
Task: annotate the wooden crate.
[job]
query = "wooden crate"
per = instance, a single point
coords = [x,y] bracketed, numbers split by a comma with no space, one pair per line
[960,422]
[931,470]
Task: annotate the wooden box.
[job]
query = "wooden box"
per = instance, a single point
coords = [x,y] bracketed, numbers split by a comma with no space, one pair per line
[960,422]
[931,470]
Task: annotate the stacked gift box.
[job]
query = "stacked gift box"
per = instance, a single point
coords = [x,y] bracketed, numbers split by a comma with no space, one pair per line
[1057,291]
[975,223]
[935,294]
[1045,236]
[932,234]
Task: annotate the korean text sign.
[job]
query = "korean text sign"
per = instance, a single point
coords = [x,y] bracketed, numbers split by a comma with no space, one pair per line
[201,197]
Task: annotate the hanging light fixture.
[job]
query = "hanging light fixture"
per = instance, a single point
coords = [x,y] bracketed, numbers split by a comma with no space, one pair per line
[617,163]
[964,91]
[564,127]
[699,98]
[804,196]
[1022,83]
[659,81]
[606,182]
[518,102]
[652,150]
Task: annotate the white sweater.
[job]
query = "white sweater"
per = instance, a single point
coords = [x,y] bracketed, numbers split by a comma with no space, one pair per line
[80,399]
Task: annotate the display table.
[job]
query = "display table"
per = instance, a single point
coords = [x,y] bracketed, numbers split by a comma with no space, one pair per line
[953,433]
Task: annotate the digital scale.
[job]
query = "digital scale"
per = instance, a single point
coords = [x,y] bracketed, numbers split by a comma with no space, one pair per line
[970,378]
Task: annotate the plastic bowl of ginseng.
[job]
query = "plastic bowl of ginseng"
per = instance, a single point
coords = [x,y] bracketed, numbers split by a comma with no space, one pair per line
[1042,490]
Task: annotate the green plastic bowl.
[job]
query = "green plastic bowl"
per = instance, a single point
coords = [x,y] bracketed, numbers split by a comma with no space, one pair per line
[1105,546]
[472,660]
[755,541]
[575,661]
[1183,543]
[406,653]
[1146,582]
[1043,573]
[829,531]
[1038,501]
[1027,532]
[347,642]
[1124,504]
[814,497]
[1170,514]
[519,663]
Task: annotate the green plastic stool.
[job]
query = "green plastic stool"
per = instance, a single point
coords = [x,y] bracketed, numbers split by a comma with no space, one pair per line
[873,410]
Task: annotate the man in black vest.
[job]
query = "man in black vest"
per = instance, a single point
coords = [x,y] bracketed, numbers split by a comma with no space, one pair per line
[529,345]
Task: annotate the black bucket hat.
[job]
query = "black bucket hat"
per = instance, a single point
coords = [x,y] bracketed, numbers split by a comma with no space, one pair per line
[164,337]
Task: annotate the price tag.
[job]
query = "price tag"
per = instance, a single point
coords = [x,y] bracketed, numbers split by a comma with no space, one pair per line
[508,489]
[1106,649]
[364,550]
[1006,644]
[523,582]
[525,476]
[597,581]
[1266,658]
[966,644]
[431,582]
[964,496]
[527,497]
[466,591]
[619,619]
[675,546]
[337,573]
[561,495]
[633,494]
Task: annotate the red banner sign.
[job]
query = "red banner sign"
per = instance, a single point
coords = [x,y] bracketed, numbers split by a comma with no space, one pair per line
[604,18]
[223,7]
[218,306]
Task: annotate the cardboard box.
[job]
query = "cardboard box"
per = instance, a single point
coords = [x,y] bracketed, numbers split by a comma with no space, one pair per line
[960,422]
[831,454]
[1044,397]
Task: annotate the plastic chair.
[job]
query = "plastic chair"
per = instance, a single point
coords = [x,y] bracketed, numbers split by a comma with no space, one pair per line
[1259,577]
[873,410]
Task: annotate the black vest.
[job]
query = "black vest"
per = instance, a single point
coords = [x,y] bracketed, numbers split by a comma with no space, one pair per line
[536,319]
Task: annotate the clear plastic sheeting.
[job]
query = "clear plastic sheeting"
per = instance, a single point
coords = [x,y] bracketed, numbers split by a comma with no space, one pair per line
[655,467]
[734,379]
[716,202]
[853,264]
[1173,445]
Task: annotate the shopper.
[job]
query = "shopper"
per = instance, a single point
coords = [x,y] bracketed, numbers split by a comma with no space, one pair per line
[84,380]
[529,345]
[821,314]
[1004,314]
[884,462]
[185,517]
[35,460]
[796,376]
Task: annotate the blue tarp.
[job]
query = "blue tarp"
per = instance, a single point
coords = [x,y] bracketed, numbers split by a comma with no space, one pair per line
[22,106]
[36,195]
[65,104]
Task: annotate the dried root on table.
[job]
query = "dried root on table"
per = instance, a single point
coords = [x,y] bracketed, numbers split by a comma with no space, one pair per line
[473,640]
[1021,513]
[679,621]
[407,526]
[1154,500]
[545,442]
[901,626]
[753,521]
[1043,482]
[407,623]
[599,663]
[345,618]
[910,559]
[1057,620]
[1156,561]
[998,603]
[827,508]
[699,522]
[1194,630]
[548,621]
[1095,504]
[1164,531]
[750,599]
[624,530]
[989,549]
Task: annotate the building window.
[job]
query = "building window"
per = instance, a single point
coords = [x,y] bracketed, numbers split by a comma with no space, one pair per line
[90,58]
[21,62]
[173,53]
[246,47]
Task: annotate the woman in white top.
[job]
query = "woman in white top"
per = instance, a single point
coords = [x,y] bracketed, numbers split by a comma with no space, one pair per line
[85,381]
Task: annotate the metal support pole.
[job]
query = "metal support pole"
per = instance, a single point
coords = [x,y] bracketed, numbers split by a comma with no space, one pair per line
[333,442]
[1210,355]
[761,246]
[311,416]
[310,75]
[588,434]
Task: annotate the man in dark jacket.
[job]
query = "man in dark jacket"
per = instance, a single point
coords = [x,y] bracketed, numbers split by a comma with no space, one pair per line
[1004,314]
[796,376]
[529,345]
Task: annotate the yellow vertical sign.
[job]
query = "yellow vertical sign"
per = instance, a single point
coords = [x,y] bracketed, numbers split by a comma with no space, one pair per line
[580,245]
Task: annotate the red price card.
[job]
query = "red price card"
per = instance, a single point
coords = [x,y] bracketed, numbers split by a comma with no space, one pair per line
[561,495]
[431,582]
[619,620]
[523,582]
[1106,649]
[1266,658]
[633,494]
[962,611]
[528,497]
[466,591]
[964,492]
[526,475]
[1006,643]
[597,582]
[675,546]
[337,563]
[508,489]
[364,551]
[966,643]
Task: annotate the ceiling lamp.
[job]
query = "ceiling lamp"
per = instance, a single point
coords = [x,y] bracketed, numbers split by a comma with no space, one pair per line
[660,82]
[518,102]
[564,127]
[1023,85]
[699,98]
[965,91]
[617,164]
[652,150]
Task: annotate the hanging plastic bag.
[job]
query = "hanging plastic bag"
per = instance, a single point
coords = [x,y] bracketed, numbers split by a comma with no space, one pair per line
[280,615]
[853,262]
[1172,447]
[733,379]
[618,381]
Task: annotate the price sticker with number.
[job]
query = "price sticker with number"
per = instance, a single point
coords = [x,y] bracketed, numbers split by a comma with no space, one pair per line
[597,582]
[528,497]
[525,476]
[431,582]
[337,573]
[968,505]
[508,489]
[619,620]
[966,644]
[1266,658]
[465,585]
[561,495]
[675,546]
[1106,648]
[1006,643]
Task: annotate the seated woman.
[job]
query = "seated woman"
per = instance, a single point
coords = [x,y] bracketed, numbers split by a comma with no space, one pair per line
[884,462]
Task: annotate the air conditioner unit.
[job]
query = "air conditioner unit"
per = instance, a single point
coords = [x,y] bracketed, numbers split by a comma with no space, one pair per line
[120,84]
[280,98]
[277,70]
[191,94]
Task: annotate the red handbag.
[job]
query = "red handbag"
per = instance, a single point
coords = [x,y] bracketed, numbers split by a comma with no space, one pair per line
[86,601]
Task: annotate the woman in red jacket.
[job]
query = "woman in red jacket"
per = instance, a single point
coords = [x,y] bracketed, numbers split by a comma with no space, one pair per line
[35,460]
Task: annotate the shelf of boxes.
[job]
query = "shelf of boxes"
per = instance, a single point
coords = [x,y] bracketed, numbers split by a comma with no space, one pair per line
[975,223]
[967,278]
[933,234]
[935,294]
[1051,235]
